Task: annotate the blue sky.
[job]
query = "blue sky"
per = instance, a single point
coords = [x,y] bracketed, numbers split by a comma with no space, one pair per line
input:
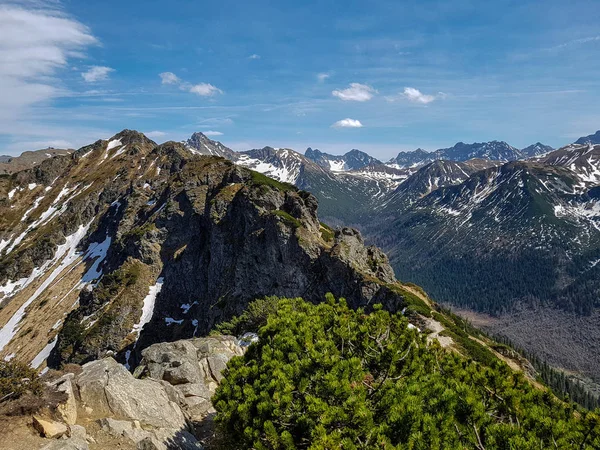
[381,76]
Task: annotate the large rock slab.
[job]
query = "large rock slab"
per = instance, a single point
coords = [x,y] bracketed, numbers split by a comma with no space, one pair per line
[197,361]
[111,391]
[194,369]
[49,428]
[68,409]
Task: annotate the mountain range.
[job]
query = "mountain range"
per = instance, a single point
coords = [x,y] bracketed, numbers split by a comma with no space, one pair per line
[484,227]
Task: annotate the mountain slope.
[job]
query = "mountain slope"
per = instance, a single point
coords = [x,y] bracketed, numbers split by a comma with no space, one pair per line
[520,240]
[581,159]
[428,178]
[515,228]
[343,195]
[200,144]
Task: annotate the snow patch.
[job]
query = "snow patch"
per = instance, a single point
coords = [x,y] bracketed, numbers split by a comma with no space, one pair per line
[148,308]
[43,355]
[113,144]
[186,307]
[119,152]
[36,203]
[337,165]
[98,251]
[171,321]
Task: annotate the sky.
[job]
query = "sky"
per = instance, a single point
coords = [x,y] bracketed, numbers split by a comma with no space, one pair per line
[381,76]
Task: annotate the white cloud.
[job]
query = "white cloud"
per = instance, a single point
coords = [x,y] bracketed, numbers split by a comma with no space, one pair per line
[322,77]
[356,92]
[155,134]
[212,133]
[35,44]
[169,78]
[254,56]
[97,73]
[203,89]
[416,96]
[347,123]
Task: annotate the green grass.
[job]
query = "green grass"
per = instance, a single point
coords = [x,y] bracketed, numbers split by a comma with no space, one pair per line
[412,302]
[287,218]
[459,330]
[326,232]
[258,179]
[140,231]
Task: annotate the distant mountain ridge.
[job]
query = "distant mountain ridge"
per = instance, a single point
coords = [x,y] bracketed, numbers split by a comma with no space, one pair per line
[352,160]
[26,160]
[493,150]
[536,149]
[343,185]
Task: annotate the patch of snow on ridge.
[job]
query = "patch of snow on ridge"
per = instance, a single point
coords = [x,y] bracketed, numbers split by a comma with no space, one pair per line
[43,355]
[148,308]
[337,165]
[97,250]
[113,144]
[119,152]
[17,241]
[68,253]
[287,172]
[36,203]
[12,193]
[4,243]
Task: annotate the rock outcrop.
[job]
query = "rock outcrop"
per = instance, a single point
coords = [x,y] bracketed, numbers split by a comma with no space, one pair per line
[193,368]
[166,405]
[109,389]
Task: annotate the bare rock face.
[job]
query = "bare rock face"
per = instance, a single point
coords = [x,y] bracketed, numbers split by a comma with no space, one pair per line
[193,367]
[109,389]
[49,428]
[68,409]
[154,412]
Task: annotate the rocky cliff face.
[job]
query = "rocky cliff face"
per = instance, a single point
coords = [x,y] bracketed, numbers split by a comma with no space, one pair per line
[137,243]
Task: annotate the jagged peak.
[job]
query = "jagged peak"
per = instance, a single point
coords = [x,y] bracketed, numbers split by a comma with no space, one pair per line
[310,152]
[198,136]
